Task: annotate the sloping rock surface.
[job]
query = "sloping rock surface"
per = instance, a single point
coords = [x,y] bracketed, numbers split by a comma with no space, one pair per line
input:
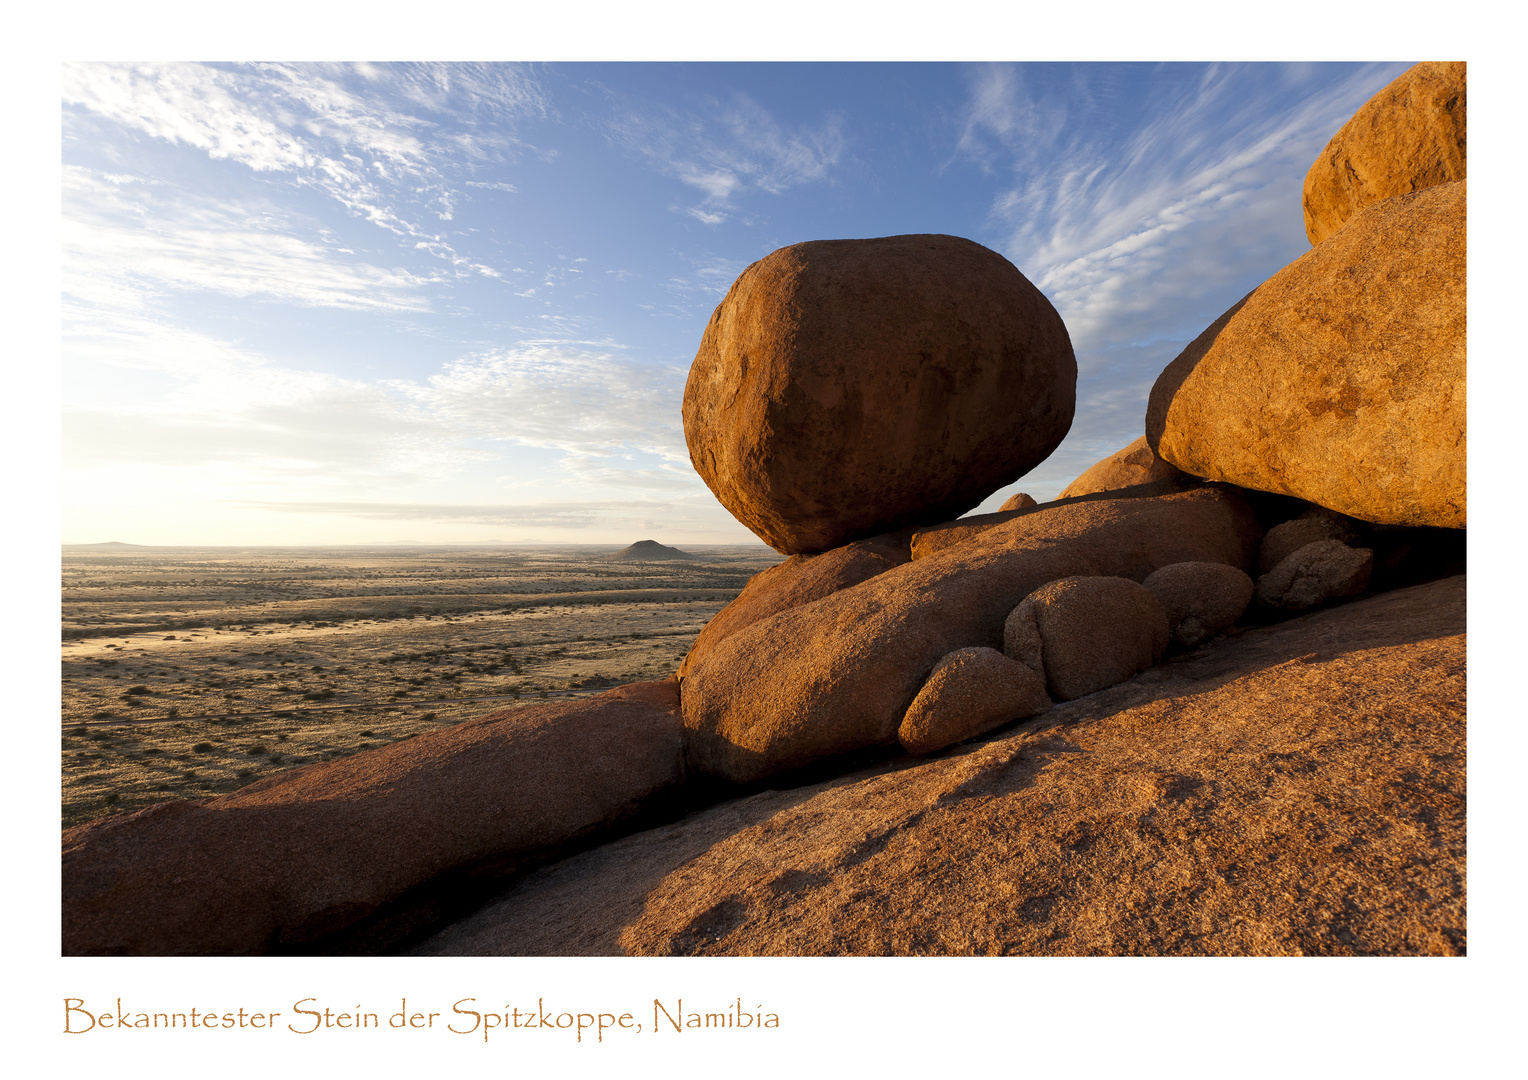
[1296,789]
[837,675]
[848,387]
[307,853]
[799,580]
[1341,379]
[1409,136]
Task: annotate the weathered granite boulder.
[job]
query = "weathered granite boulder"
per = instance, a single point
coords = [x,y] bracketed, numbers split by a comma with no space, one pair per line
[303,855]
[1296,790]
[1409,136]
[1317,523]
[1135,464]
[1200,599]
[1317,574]
[798,580]
[838,674]
[970,692]
[849,387]
[1091,632]
[1341,379]
[1017,501]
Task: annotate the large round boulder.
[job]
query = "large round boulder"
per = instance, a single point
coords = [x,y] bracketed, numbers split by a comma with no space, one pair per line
[1341,379]
[1407,137]
[845,388]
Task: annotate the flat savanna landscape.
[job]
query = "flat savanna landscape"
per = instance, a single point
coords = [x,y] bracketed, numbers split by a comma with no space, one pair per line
[193,671]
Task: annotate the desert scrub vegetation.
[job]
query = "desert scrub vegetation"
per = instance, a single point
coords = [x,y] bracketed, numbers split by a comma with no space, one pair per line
[316,655]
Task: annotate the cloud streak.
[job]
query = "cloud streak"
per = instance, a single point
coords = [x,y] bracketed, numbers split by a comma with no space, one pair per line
[1128,216]
[727,150]
[327,127]
[124,246]
[1144,200]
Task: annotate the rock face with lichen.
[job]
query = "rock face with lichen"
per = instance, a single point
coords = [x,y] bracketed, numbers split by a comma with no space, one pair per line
[1341,379]
[1407,137]
[845,388]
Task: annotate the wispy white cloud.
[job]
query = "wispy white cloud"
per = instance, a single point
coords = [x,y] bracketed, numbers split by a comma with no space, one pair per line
[125,244]
[305,122]
[726,150]
[608,423]
[1128,231]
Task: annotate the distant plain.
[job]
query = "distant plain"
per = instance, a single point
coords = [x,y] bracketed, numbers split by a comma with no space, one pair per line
[190,672]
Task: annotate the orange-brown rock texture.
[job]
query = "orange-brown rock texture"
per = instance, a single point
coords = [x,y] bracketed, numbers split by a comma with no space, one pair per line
[849,387]
[838,674]
[1341,379]
[1135,464]
[293,859]
[1296,789]
[1409,136]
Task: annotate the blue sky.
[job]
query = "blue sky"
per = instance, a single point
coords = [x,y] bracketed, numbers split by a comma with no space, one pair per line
[313,303]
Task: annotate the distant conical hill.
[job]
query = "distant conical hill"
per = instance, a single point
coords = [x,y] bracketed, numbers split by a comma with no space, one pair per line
[650,551]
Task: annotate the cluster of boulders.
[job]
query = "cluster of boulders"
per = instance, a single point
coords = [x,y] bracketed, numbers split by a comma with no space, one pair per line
[850,399]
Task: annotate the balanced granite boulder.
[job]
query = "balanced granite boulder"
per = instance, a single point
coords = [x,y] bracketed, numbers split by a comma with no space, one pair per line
[1135,464]
[1409,136]
[969,693]
[1083,634]
[850,387]
[1200,599]
[1317,574]
[798,580]
[292,860]
[838,674]
[1341,379]
[1288,537]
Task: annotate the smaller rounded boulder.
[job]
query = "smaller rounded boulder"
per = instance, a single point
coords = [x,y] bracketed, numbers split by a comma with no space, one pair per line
[1317,574]
[1200,599]
[1087,633]
[969,693]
